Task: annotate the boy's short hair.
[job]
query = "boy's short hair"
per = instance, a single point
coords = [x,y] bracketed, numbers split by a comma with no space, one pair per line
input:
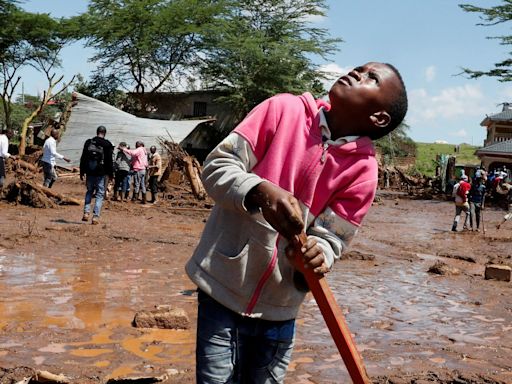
[101,129]
[397,109]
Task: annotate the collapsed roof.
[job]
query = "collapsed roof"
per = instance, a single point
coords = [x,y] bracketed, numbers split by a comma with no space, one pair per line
[89,113]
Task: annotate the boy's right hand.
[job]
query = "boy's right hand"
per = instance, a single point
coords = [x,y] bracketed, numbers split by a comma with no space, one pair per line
[279,207]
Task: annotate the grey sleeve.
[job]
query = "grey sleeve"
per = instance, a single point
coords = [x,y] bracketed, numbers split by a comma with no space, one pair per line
[227,173]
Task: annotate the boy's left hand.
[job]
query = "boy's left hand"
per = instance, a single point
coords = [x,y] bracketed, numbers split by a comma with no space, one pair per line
[312,256]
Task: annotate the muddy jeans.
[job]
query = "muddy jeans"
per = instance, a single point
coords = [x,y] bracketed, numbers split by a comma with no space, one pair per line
[476,208]
[94,184]
[50,176]
[459,208]
[236,349]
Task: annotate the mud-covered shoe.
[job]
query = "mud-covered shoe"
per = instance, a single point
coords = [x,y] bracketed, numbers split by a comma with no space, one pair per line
[95,220]
[85,217]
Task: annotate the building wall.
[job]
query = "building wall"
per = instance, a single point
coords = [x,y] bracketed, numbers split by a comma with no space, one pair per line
[498,132]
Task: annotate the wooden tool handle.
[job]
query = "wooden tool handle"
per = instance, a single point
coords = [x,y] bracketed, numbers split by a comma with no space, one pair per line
[334,319]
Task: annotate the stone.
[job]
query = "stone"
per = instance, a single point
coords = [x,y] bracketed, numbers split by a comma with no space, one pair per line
[441,268]
[498,272]
[162,317]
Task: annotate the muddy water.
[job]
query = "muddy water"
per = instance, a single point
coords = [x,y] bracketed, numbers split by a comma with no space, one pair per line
[69,293]
[62,299]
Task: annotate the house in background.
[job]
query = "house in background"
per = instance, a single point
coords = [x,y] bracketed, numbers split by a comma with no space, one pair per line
[88,113]
[497,150]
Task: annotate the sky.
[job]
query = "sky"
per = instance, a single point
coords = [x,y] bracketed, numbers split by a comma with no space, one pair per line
[428,41]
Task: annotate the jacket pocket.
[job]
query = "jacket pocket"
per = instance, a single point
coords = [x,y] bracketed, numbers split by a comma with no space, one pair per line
[241,272]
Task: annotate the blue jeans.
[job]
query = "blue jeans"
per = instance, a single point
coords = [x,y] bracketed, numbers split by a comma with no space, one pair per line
[94,183]
[235,349]
[139,182]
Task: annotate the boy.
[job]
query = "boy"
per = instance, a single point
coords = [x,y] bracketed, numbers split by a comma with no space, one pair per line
[294,164]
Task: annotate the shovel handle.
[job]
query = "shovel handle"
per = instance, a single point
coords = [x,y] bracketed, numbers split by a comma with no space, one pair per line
[334,319]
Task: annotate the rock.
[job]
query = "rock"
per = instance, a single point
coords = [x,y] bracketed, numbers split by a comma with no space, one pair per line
[441,268]
[498,272]
[163,317]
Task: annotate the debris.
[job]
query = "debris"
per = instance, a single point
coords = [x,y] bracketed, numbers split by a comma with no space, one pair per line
[26,165]
[188,165]
[498,272]
[357,255]
[45,377]
[163,317]
[29,193]
[441,268]
[138,380]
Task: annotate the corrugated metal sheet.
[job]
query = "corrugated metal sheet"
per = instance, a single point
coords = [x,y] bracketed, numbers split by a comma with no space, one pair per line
[503,147]
[89,113]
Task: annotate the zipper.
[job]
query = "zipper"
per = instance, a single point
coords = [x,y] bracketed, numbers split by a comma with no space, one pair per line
[261,283]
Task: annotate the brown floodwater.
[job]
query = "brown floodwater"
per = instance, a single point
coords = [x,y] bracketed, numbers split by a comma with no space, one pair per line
[69,292]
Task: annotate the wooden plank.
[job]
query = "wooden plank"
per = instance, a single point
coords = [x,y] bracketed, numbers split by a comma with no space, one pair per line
[334,319]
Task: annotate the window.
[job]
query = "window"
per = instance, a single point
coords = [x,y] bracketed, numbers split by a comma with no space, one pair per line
[199,108]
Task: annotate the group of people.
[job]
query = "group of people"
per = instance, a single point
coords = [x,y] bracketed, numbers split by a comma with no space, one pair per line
[99,165]
[470,199]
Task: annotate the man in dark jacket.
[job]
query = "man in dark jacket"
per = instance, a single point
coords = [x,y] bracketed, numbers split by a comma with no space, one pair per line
[96,164]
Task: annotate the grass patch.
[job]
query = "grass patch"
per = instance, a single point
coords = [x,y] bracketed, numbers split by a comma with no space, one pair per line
[427,152]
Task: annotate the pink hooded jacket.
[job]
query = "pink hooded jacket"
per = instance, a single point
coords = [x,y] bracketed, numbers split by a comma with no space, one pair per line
[240,259]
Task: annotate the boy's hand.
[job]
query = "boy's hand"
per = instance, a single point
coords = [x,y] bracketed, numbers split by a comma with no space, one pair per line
[312,256]
[279,207]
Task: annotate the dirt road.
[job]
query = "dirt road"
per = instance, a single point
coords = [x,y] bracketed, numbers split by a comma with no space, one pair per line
[69,291]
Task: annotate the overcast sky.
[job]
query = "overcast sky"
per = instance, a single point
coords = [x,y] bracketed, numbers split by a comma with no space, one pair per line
[428,41]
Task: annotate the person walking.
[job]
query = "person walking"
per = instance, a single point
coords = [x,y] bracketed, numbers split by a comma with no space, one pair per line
[4,154]
[476,202]
[96,165]
[460,192]
[50,154]
[139,165]
[155,172]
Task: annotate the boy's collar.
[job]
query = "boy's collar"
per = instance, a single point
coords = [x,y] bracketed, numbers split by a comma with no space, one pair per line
[326,133]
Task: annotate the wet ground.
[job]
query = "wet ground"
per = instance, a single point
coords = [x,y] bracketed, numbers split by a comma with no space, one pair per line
[69,291]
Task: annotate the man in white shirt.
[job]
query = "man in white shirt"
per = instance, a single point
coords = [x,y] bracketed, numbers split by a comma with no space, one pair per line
[4,153]
[50,154]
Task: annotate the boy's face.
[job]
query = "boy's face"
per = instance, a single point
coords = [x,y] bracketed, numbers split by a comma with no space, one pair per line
[364,91]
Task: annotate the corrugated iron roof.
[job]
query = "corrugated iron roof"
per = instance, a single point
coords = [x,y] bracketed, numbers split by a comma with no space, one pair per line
[505,115]
[90,113]
[501,147]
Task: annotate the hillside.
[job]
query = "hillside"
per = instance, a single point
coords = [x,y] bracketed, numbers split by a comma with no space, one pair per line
[426,156]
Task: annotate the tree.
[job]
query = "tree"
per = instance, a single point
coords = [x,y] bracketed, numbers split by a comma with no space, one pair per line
[28,39]
[265,47]
[397,143]
[50,36]
[144,45]
[492,16]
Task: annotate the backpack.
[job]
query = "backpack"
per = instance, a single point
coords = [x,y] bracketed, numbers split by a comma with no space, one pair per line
[460,192]
[95,155]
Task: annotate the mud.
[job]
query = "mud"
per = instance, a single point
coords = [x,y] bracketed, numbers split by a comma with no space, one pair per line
[69,292]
